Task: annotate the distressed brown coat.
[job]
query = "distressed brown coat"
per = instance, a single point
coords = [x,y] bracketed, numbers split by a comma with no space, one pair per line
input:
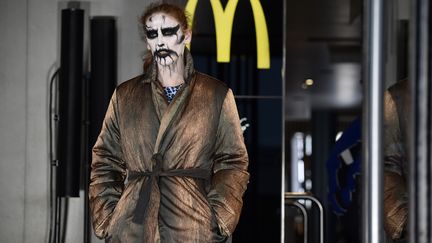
[396,108]
[157,154]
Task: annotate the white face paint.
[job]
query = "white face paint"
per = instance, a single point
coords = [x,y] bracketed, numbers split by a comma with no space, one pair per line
[165,38]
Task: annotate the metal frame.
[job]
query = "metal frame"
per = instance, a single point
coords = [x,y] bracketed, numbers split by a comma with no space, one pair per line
[420,225]
[373,230]
[283,71]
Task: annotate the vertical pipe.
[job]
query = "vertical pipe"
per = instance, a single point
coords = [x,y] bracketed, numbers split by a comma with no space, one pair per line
[283,178]
[372,123]
[420,143]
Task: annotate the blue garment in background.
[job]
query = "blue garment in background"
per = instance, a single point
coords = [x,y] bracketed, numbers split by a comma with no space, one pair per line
[342,166]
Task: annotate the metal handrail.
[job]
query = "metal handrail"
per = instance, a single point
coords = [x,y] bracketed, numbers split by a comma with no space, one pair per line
[307,196]
[305,218]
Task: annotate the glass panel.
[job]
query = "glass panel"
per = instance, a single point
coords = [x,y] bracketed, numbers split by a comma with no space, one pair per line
[323,98]
[323,108]
[258,94]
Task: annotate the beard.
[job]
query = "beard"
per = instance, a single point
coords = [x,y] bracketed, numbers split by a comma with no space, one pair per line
[164,55]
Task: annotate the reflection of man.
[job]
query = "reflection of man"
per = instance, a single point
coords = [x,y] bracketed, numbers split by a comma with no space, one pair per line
[395,161]
[175,133]
[342,170]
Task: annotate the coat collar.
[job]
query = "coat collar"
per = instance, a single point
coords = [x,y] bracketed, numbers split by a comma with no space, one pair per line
[169,114]
[151,74]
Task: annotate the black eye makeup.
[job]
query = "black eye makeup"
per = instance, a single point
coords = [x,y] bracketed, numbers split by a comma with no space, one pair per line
[169,31]
[151,33]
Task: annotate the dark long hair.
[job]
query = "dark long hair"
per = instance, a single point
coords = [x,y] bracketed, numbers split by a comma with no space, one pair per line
[174,11]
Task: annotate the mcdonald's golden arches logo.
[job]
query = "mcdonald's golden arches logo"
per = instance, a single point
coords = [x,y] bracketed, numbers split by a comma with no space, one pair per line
[223,24]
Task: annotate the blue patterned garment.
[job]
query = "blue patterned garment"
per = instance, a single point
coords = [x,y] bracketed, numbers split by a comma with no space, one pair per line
[170,92]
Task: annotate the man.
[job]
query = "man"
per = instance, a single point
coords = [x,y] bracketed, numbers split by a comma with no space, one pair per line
[175,134]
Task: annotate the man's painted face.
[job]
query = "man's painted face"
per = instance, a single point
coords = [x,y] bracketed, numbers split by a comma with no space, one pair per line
[165,38]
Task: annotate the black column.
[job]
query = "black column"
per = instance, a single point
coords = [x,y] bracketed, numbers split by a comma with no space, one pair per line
[70,96]
[103,80]
[103,71]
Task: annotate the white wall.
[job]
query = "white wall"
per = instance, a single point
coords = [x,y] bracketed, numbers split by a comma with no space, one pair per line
[13,118]
[28,57]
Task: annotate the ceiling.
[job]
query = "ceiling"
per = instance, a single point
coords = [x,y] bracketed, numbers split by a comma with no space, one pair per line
[323,43]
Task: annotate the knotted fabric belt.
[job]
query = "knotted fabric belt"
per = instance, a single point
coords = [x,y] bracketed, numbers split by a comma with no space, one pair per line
[146,188]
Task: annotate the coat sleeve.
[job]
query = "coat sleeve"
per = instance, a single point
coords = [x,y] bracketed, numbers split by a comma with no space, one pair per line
[107,171]
[395,191]
[230,175]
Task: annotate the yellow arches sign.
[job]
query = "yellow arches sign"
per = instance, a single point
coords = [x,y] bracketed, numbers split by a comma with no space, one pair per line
[223,25]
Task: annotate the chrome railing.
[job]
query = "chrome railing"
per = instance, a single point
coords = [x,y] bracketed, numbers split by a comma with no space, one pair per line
[306,196]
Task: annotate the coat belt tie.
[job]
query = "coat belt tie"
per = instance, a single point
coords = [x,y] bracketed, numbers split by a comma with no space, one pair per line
[146,188]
